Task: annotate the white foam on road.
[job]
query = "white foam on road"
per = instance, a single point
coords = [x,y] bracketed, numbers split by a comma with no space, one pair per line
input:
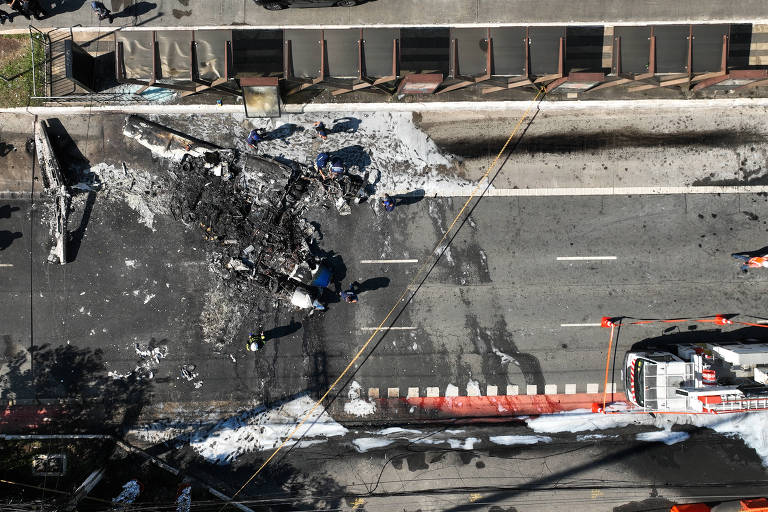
[663,436]
[750,427]
[261,429]
[513,440]
[364,444]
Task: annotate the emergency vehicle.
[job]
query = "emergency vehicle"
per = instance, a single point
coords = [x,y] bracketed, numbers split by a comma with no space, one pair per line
[699,378]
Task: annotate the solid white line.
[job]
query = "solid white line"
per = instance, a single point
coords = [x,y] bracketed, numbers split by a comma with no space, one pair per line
[389,328]
[437,106]
[6,264]
[389,261]
[762,322]
[480,24]
[584,258]
[580,325]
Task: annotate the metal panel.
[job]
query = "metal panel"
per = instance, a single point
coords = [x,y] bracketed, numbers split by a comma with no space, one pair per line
[671,48]
[377,51]
[173,47]
[305,52]
[635,48]
[508,54]
[258,52]
[545,49]
[211,54]
[584,51]
[342,53]
[739,45]
[425,50]
[137,54]
[472,49]
[708,47]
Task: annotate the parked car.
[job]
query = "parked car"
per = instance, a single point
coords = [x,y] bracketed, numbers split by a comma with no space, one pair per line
[276,5]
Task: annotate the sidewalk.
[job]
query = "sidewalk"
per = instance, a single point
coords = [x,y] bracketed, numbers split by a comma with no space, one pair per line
[628,147]
[154,14]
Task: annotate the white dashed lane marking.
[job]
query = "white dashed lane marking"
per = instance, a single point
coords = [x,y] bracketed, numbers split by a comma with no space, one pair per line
[389,328]
[584,258]
[389,261]
[580,325]
[6,264]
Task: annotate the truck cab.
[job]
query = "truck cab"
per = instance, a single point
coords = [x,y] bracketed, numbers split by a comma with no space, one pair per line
[651,379]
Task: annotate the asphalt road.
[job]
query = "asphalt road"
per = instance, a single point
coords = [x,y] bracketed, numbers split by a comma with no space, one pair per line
[491,311]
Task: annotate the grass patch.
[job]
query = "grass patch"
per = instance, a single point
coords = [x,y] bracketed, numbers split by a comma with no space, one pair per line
[15,66]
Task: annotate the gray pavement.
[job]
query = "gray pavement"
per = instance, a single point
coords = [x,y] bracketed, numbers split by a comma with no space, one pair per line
[419,471]
[195,13]
[491,311]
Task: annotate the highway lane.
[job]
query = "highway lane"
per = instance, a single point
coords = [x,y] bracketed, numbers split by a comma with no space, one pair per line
[501,296]
[491,311]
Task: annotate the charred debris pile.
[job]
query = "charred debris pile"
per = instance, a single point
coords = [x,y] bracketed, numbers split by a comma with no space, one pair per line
[251,210]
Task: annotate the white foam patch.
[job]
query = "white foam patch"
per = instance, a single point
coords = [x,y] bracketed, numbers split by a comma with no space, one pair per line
[513,440]
[663,436]
[261,429]
[365,444]
[750,427]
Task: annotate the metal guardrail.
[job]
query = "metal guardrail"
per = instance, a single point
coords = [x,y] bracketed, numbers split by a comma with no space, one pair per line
[42,39]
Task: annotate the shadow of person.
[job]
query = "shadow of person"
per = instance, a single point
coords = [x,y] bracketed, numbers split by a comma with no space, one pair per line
[137,9]
[53,7]
[338,269]
[7,238]
[409,198]
[6,210]
[345,125]
[369,285]
[757,252]
[6,148]
[283,330]
[282,132]
[353,155]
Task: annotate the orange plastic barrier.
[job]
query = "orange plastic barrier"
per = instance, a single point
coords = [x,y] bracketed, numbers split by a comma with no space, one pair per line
[691,507]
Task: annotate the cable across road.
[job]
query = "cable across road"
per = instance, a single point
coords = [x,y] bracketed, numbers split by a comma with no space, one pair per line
[437,253]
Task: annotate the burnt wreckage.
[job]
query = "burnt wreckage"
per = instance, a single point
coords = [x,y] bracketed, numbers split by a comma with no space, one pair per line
[251,208]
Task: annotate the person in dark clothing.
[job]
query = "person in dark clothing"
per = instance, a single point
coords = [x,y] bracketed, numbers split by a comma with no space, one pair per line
[321,130]
[254,138]
[256,342]
[33,7]
[20,6]
[337,167]
[349,296]
[388,203]
[101,10]
[4,16]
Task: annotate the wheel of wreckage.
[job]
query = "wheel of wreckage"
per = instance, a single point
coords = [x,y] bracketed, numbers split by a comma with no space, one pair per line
[273,6]
[346,3]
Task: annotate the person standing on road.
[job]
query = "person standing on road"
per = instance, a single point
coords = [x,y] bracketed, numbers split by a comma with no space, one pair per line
[337,167]
[321,130]
[4,16]
[388,203]
[751,261]
[255,342]
[349,296]
[101,10]
[255,137]
[20,6]
[33,7]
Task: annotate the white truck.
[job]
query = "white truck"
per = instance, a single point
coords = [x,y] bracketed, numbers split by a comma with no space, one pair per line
[698,378]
